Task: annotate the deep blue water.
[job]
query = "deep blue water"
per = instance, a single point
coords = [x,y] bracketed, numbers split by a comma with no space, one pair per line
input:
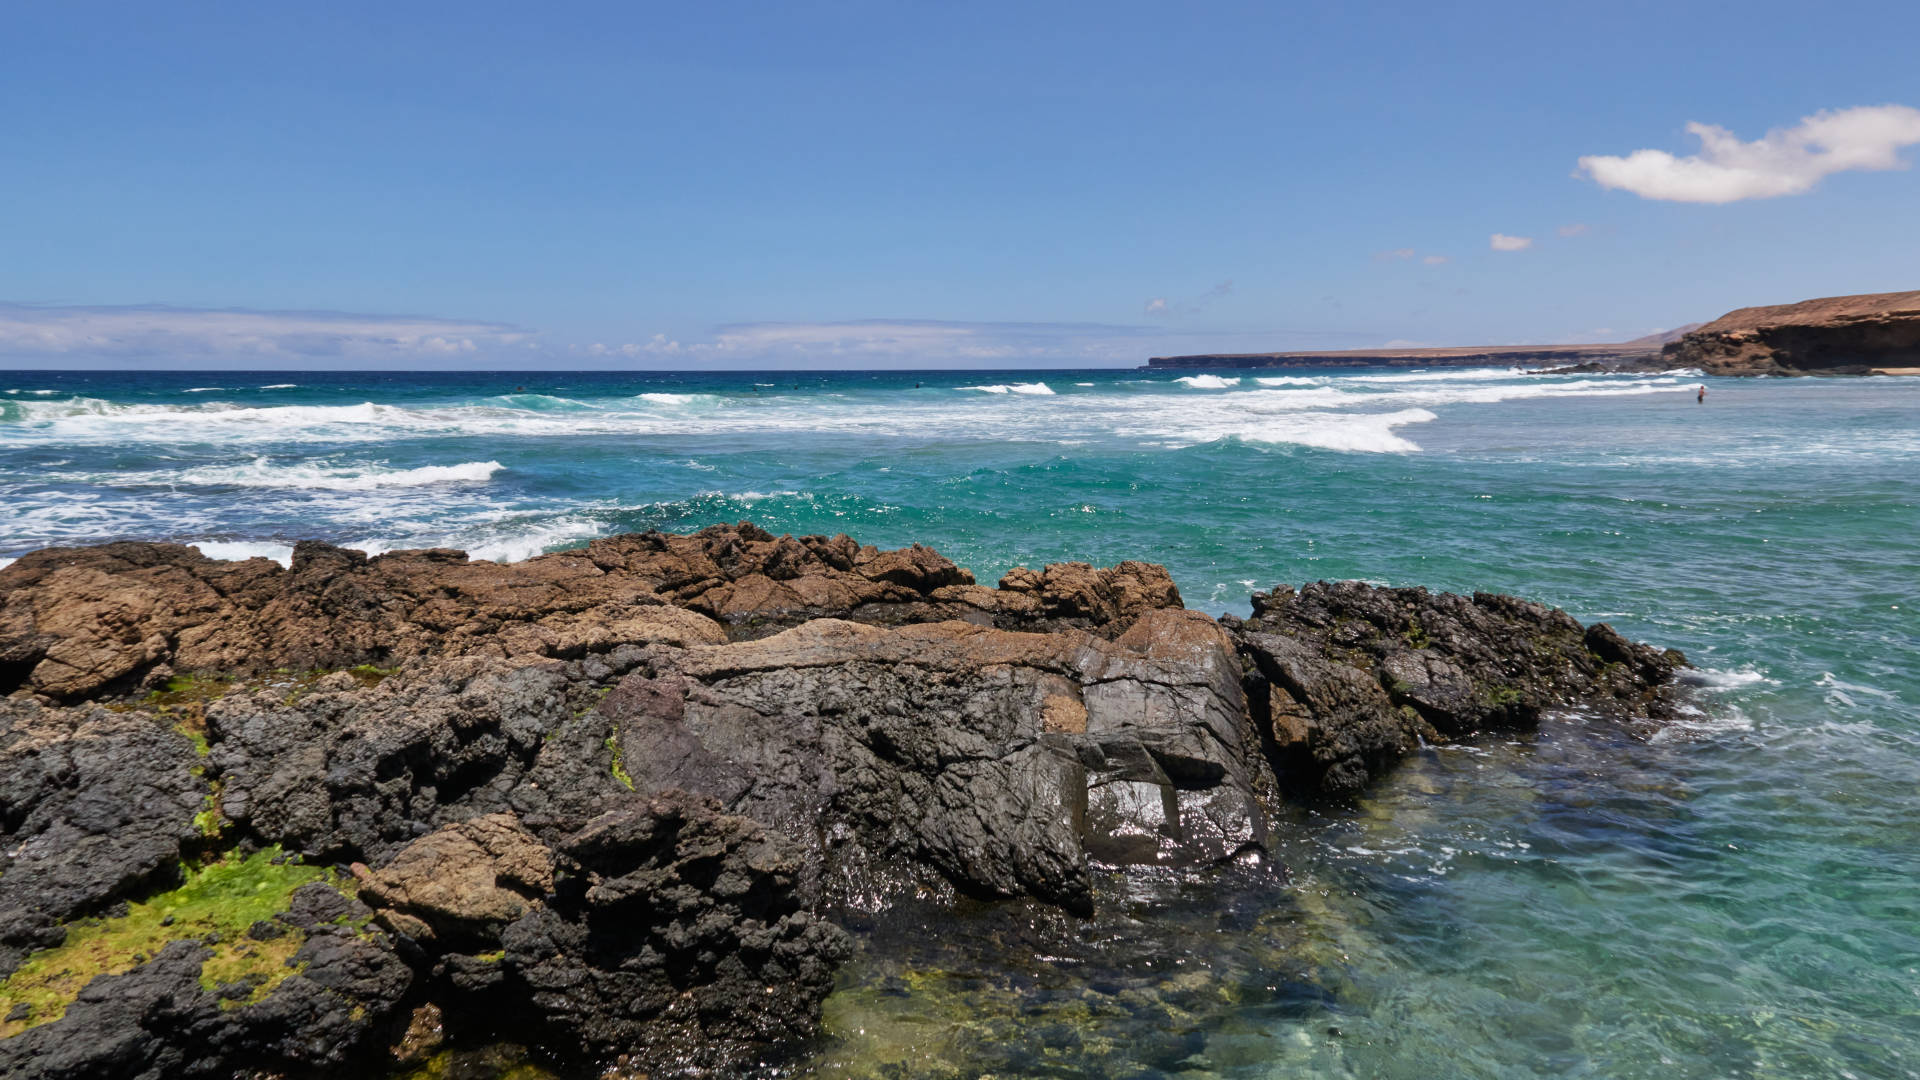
[1735,897]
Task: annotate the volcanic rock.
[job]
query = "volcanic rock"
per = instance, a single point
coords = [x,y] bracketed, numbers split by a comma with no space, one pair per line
[76,621]
[158,1020]
[1000,759]
[94,806]
[606,801]
[1346,677]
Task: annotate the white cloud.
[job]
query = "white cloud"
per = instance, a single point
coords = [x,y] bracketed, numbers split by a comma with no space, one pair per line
[1575,230]
[1157,306]
[1787,161]
[1434,260]
[1396,255]
[1503,242]
[188,337]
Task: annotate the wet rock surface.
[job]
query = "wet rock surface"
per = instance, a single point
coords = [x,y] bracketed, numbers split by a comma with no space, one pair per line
[619,802]
[1344,678]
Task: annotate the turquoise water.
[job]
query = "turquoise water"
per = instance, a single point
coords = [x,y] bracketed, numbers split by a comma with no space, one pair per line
[1733,898]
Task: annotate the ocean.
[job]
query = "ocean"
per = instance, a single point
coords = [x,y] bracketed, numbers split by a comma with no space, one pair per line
[1733,897]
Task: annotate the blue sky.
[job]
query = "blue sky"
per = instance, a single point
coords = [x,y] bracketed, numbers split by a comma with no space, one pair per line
[849,185]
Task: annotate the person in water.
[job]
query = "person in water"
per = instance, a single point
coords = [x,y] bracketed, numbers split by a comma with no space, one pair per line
[1702,396]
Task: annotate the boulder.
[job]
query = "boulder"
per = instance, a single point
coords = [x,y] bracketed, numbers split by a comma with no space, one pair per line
[1345,678]
[999,759]
[94,806]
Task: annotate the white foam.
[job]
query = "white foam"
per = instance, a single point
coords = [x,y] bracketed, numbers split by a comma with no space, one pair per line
[5,562]
[1694,723]
[1207,382]
[238,550]
[263,473]
[202,389]
[1288,380]
[280,386]
[1718,679]
[541,401]
[1371,433]
[502,542]
[1449,375]
[662,398]
[1036,388]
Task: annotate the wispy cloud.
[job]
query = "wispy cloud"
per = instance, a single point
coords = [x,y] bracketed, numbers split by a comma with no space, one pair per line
[189,337]
[1503,242]
[1787,161]
[1160,307]
[888,343]
[168,337]
[1575,230]
[1408,254]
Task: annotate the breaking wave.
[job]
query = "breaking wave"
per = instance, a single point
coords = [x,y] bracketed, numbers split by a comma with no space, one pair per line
[263,473]
[1037,388]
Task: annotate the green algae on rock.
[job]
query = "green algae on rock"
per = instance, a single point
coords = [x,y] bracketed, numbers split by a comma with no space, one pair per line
[218,904]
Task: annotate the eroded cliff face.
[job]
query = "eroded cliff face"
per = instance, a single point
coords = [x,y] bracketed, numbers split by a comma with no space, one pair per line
[1838,335]
[621,802]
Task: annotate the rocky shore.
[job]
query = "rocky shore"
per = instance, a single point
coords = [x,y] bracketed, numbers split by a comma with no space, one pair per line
[623,804]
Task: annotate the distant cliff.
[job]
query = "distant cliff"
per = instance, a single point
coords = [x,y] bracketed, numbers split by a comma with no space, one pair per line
[1835,335]
[1467,356]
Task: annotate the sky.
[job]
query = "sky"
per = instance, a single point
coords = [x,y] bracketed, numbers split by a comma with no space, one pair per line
[852,185]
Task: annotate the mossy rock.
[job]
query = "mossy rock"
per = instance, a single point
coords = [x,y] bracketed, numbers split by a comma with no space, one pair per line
[216,904]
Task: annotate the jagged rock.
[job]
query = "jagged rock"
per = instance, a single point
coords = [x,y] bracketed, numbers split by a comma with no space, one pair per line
[603,798]
[158,1021]
[675,932]
[1347,677]
[347,772]
[463,881]
[94,806]
[76,621]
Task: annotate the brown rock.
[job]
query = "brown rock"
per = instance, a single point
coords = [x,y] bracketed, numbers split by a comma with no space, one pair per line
[463,881]
[1835,335]
[75,622]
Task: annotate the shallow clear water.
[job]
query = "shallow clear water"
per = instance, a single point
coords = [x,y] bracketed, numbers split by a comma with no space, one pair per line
[1735,897]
